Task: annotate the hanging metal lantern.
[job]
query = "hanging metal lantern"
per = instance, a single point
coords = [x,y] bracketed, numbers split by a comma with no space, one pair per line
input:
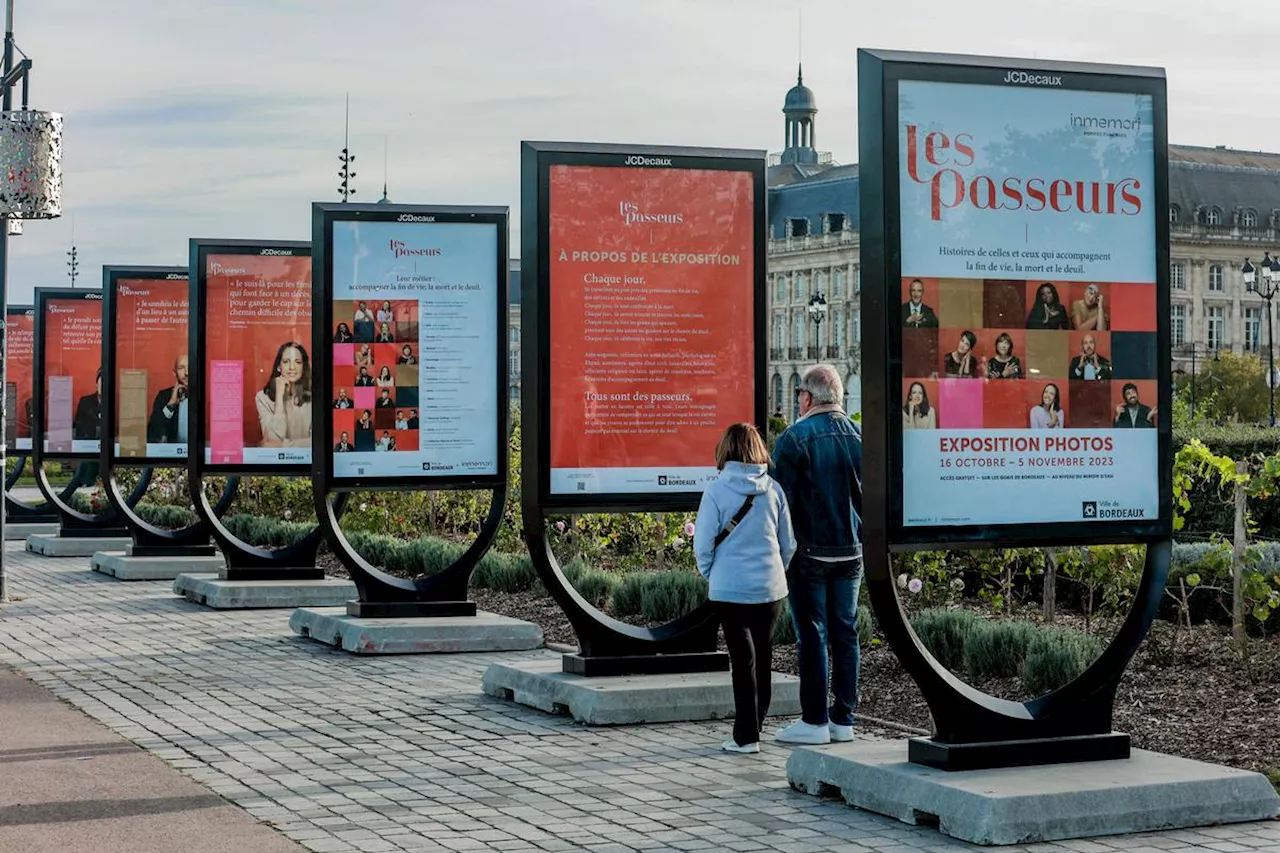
[30,164]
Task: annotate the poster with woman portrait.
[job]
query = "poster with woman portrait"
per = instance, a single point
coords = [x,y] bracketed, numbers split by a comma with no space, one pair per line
[258,377]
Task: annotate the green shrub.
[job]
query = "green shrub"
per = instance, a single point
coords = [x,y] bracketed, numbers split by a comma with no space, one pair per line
[670,595]
[628,596]
[866,625]
[266,532]
[943,633]
[1273,776]
[998,648]
[658,596]
[595,586]
[166,516]
[505,573]
[1055,657]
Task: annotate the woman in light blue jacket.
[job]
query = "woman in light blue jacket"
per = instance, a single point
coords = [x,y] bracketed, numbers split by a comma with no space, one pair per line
[743,542]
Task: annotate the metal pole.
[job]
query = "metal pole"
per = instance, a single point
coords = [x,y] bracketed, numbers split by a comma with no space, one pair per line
[1271,357]
[1193,379]
[4,303]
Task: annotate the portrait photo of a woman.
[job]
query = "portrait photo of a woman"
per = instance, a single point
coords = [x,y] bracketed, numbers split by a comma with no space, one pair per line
[384,378]
[1048,414]
[916,412]
[343,335]
[962,362]
[406,355]
[284,403]
[1004,364]
[385,314]
[1048,313]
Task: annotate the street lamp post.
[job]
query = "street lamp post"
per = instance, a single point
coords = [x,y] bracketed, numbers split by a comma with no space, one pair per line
[1267,290]
[817,313]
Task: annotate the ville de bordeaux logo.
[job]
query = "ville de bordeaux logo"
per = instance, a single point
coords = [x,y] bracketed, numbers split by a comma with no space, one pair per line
[1089,509]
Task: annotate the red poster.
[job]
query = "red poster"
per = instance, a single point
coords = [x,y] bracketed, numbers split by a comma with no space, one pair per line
[73,353]
[258,313]
[151,367]
[19,370]
[652,324]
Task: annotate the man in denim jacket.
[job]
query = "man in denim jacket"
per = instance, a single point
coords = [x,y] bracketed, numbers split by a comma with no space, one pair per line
[818,462]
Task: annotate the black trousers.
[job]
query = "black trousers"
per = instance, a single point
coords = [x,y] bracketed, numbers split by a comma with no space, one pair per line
[748,632]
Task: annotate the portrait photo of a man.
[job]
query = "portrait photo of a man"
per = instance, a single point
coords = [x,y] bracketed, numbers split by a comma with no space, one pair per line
[168,421]
[915,314]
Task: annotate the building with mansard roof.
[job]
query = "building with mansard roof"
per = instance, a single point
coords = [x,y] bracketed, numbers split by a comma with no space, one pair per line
[812,259]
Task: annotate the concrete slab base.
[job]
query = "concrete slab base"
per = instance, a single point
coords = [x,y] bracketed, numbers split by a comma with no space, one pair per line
[484,632]
[211,591]
[629,699]
[53,545]
[1022,805]
[19,532]
[121,566]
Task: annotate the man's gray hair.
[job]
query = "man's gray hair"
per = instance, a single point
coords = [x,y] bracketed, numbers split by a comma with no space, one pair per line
[822,381]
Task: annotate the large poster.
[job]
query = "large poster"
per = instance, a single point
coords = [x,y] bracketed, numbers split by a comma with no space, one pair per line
[652,324]
[19,343]
[152,367]
[258,383]
[1028,311]
[72,343]
[415,350]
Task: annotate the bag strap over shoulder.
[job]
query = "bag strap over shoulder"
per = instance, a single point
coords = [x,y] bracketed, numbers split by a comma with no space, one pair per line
[735,521]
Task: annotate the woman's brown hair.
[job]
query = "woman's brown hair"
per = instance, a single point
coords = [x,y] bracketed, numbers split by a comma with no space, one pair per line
[741,443]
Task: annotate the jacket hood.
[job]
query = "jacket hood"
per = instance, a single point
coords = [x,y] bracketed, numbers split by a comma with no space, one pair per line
[746,479]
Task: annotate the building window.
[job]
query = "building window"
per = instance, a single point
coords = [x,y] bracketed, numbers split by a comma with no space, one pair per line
[797,331]
[798,227]
[1252,329]
[777,393]
[799,291]
[857,281]
[1178,276]
[835,222]
[1215,277]
[837,284]
[1178,328]
[779,329]
[780,289]
[1214,216]
[855,327]
[1173,214]
[837,328]
[819,280]
[513,364]
[1215,325]
[1249,218]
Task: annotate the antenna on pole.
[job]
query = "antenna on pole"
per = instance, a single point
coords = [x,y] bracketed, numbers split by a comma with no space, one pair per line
[346,158]
[384,167]
[73,259]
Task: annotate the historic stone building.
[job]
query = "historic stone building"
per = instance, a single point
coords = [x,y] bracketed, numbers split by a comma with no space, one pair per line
[812,253]
[1224,207]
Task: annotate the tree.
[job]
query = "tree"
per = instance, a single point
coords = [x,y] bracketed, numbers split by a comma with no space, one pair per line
[1239,389]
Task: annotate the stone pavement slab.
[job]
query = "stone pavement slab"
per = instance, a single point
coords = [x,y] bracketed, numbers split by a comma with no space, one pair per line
[80,787]
[416,635]
[346,753]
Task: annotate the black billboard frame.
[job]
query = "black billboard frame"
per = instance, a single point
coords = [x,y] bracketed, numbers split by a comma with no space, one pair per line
[245,562]
[148,539]
[16,509]
[382,595]
[71,522]
[608,646]
[971,729]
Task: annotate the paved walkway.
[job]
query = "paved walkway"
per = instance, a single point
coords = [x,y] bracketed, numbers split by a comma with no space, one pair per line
[70,784]
[349,754]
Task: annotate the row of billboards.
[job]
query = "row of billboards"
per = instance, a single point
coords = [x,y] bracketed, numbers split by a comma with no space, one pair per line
[1014,294]
[414,338]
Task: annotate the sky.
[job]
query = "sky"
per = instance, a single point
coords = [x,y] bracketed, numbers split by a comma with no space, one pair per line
[224,118]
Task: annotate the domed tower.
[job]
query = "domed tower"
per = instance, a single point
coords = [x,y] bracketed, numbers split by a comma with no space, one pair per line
[800,109]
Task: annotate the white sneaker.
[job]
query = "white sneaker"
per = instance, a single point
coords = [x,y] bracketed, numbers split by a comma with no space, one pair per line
[839,733]
[732,745]
[803,733]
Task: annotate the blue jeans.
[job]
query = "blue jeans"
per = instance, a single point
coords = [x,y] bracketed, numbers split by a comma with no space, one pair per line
[824,607]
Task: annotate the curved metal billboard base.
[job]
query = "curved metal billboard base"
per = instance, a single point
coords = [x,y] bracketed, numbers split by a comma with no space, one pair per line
[152,541]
